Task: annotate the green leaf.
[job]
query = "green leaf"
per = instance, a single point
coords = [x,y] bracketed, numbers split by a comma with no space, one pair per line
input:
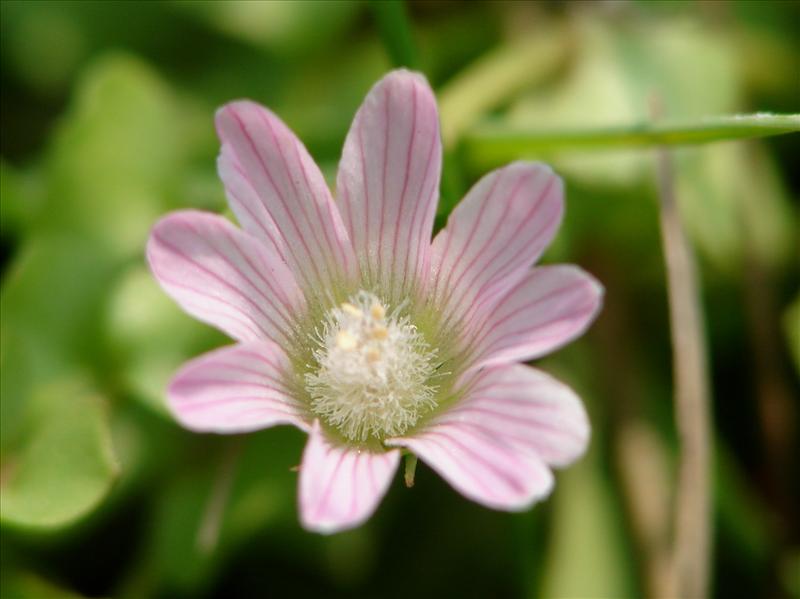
[587,555]
[600,101]
[150,337]
[43,44]
[791,324]
[609,82]
[261,495]
[15,584]
[593,124]
[118,154]
[22,198]
[51,298]
[734,203]
[739,510]
[282,27]
[395,29]
[65,463]
[587,558]
[496,77]
[15,384]
[498,144]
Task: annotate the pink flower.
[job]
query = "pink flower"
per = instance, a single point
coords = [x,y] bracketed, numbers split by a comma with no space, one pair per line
[353,326]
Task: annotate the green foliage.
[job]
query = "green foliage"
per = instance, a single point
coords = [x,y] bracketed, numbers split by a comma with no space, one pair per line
[57,461]
[791,324]
[50,300]
[106,178]
[63,465]
[284,27]
[76,274]
[588,555]
[23,197]
[108,124]
[150,337]
[24,585]
[625,78]
[189,543]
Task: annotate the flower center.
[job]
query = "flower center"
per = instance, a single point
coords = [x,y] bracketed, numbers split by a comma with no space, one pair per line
[373,372]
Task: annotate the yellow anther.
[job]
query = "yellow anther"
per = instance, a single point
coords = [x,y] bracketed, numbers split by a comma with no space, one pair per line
[380,332]
[346,341]
[350,309]
[377,311]
[373,355]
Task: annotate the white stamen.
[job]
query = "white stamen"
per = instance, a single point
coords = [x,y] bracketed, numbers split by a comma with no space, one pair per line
[379,332]
[373,371]
[377,311]
[351,310]
[346,341]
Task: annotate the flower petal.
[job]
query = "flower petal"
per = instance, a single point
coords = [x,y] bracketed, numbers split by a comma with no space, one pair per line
[276,189]
[492,238]
[551,306]
[494,445]
[223,276]
[236,389]
[485,469]
[388,181]
[527,408]
[341,486]
[250,211]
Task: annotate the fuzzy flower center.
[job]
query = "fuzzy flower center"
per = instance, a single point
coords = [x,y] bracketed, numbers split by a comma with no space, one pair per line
[373,371]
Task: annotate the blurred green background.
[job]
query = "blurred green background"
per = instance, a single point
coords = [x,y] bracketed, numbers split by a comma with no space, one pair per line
[107,123]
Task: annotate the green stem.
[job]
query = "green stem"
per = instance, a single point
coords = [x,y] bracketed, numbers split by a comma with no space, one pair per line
[496,144]
[211,523]
[395,30]
[411,468]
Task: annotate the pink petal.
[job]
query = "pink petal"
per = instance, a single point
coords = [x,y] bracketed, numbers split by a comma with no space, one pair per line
[236,389]
[223,276]
[341,486]
[278,193]
[388,181]
[487,470]
[250,211]
[525,407]
[492,238]
[494,445]
[550,307]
